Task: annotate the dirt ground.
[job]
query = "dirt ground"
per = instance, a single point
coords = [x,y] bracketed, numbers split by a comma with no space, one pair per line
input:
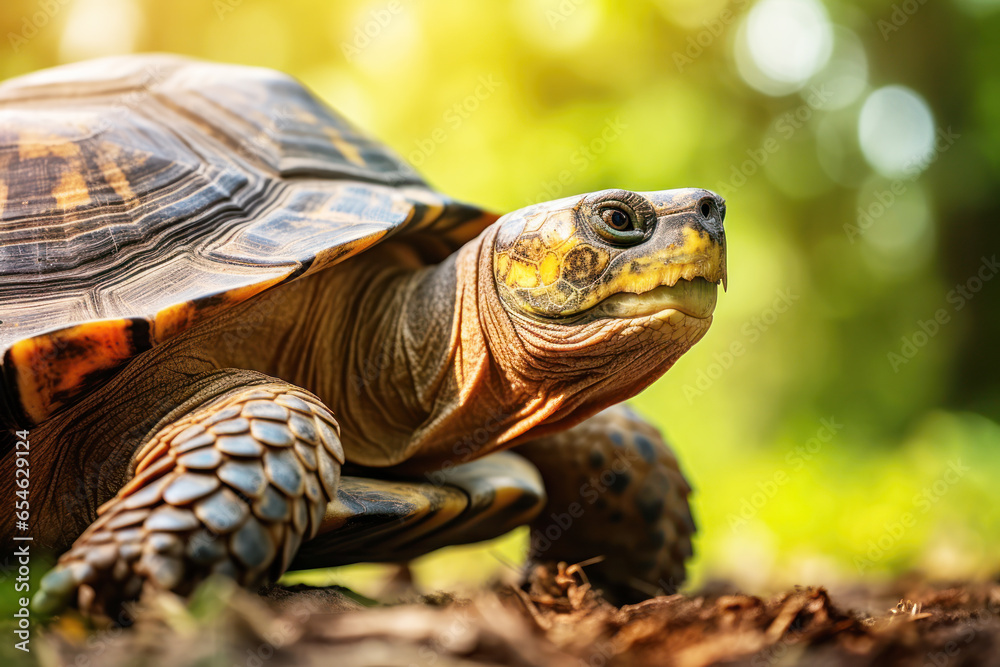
[557,620]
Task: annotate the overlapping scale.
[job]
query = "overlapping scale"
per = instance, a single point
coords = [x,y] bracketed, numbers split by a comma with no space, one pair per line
[246,476]
[222,512]
[272,433]
[168,517]
[251,544]
[260,409]
[189,487]
[231,426]
[284,471]
[202,459]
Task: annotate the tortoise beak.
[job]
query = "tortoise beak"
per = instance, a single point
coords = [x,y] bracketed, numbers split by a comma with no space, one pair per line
[695,298]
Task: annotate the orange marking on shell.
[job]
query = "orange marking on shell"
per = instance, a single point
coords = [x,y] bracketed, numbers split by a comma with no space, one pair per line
[174,319]
[305,116]
[431,203]
[51,368]
[346,148]
[341,251]
[118,181]
[71,191]
[33,145]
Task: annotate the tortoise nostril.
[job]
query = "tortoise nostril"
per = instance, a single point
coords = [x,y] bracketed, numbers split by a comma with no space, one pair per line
[706,208]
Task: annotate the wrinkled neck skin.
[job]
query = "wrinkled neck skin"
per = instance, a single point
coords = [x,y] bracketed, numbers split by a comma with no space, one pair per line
[468,377]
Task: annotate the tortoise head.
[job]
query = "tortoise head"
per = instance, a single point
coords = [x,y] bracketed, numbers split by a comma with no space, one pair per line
[603,292]
[613,254]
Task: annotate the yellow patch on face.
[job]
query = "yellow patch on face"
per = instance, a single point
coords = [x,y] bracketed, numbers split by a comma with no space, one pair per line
[50,368]
[522,275]
[346,148]
[71,191]
[697,243]
[559,232]
[502,266]
[696,256]
[549,269]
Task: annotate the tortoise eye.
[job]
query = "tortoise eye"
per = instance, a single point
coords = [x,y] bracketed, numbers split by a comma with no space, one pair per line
[617,220]
[618,223]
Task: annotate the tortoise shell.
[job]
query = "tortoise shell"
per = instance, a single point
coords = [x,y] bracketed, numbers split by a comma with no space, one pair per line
[141,195]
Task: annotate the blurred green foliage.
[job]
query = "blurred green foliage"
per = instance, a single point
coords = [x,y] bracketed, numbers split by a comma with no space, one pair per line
[514,102]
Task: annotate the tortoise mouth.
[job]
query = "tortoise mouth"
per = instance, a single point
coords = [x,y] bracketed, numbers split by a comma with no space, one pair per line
[695,297]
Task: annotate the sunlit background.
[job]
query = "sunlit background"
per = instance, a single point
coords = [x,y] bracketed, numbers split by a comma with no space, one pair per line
[840,420]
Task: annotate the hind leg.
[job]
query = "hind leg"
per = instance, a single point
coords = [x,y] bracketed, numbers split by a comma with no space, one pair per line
[232,488]
[614,490]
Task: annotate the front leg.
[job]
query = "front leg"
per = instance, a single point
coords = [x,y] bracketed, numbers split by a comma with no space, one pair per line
[231,488]
[615,490]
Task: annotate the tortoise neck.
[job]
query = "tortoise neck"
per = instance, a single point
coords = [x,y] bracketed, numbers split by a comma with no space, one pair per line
[422,381]
[456,347]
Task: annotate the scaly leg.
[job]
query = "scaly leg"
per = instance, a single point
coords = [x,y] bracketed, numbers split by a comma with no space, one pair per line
[231,488]
[614,490]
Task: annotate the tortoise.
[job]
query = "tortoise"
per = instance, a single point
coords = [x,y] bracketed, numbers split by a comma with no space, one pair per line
[239,336]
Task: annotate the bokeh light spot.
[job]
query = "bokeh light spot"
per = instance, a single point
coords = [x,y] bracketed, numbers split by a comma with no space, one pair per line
[97,28]
[783,43]
[896,131]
